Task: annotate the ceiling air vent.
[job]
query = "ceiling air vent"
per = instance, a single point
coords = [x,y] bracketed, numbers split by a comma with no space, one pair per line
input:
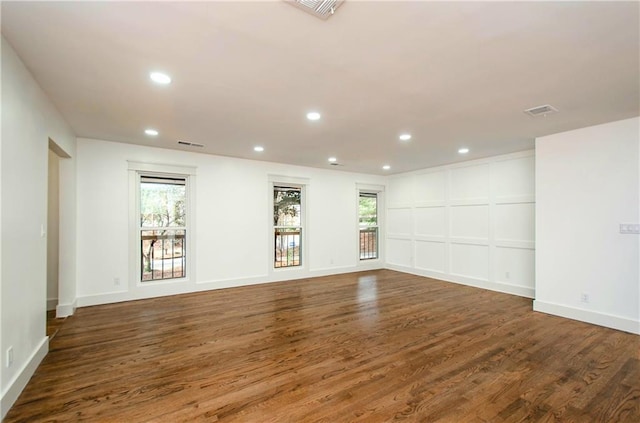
[320,8]
[541,110]
[190,144]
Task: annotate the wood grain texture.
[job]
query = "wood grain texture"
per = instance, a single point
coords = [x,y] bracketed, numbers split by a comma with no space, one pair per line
[53,324]
[363,347]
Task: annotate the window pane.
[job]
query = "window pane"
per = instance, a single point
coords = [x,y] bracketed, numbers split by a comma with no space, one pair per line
[162,227]
[162,203]
[287,222]
[368,243]
[368,219]
[286,206]
[163,254]
[287,247]
[368,210]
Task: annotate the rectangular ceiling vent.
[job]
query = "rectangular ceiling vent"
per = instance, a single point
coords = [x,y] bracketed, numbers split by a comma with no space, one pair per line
[190,144]
[541,110]
[320,8]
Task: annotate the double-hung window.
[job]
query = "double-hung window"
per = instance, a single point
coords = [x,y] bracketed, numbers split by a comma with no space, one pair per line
[162,227]
[368,225]
[287,226]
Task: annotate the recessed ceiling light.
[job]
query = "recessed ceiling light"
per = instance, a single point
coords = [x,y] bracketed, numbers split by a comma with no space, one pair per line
[258,148]
[405,137]
[313,116]
[386,167]
[332,160]
[151,132]
[463,150]
[160,78]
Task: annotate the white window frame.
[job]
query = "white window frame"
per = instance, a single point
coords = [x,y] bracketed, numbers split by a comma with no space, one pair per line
[136,170]
[303,185]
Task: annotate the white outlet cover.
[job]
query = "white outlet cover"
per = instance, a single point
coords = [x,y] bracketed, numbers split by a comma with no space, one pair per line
[9,356]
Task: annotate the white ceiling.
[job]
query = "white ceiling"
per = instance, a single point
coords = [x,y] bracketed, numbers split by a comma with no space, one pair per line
[245,73]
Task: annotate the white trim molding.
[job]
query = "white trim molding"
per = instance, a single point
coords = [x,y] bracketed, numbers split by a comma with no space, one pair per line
[66,310]
[19,382]
[161,168]
[601,319]
[520,291]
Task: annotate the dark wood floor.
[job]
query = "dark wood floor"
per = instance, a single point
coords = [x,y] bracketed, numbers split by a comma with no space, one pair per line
[53,324]
[364,347]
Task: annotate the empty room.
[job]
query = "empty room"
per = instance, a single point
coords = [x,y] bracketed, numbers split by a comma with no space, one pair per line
[320,211]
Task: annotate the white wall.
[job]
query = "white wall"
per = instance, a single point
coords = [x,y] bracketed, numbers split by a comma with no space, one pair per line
[232,217]
[29,119]
[587,183]
[470,223]
[53,227]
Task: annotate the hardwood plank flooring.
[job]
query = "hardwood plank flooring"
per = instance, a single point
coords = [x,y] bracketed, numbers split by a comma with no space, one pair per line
[363,347]
[53,324]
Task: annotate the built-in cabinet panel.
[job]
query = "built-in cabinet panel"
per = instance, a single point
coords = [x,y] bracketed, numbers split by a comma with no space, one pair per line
[471,223]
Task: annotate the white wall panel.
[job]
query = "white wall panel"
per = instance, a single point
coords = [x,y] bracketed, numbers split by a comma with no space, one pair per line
[399,251]
[431,256]
[515,222]
[430,187]
[587,183]
[400,191]
[515,177]
[471,261]
[430,221]
[515,266]
[399,221]
[470,222]
[470,182]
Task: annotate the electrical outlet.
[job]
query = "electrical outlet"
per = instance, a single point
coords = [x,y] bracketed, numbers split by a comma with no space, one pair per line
[584,297]
[507,275]
[116,281]
[9,356]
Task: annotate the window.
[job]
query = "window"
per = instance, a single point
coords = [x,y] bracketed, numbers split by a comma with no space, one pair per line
[287,226]
[163,227]
[368,224]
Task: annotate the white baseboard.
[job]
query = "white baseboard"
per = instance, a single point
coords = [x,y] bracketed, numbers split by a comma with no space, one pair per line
[520,291]
[199,286]
[589,316]
[52,304]
[18,383]
[65,310]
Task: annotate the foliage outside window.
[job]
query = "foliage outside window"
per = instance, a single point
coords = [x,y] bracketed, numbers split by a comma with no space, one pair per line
[368,223]
[163,227]
[287,226]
